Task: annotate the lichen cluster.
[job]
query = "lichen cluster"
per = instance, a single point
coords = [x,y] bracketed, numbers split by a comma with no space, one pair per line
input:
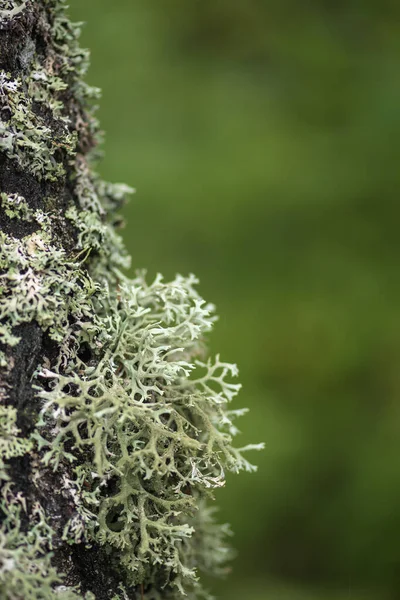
[26,570]
[131,416]
[38,280]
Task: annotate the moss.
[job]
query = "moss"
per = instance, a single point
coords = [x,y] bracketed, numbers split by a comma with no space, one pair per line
[134,420]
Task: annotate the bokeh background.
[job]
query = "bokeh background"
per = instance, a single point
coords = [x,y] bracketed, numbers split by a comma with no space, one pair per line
[263,140]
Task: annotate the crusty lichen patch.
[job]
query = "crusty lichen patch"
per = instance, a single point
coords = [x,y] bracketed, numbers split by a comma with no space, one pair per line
[24,133]
[132,418]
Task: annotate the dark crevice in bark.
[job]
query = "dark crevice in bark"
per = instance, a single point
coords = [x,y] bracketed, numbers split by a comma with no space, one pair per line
[13,37]
[93,568]
[24,359]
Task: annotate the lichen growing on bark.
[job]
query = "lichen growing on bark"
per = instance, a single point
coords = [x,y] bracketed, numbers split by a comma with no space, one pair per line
[114,428]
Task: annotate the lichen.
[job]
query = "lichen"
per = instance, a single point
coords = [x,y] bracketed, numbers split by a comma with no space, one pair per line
[155,425]
[9,9]
[24,135]
[133,418]
[25,561]
[39,283]
[26,571]
[11,444]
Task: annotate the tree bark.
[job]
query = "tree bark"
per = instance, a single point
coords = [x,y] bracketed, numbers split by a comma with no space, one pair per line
[47,138]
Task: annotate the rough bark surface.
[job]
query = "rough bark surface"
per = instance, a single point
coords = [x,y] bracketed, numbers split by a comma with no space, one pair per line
[28,43]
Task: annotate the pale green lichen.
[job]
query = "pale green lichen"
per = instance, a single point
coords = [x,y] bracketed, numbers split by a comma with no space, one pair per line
[156,425]
[134,419]
[25,562]
[16,207]
[11,444]
[10,9]
[41,88]
[26,137]
[39,283]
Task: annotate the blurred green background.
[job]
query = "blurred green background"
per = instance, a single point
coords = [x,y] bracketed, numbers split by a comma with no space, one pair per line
[263,140]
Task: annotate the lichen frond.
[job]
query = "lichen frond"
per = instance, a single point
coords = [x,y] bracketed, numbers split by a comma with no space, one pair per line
[154,422]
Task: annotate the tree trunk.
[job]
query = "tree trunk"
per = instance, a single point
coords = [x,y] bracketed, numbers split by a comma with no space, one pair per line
[47,134]
[110,440]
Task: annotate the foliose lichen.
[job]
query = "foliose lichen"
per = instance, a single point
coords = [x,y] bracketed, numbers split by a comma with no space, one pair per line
[130,416]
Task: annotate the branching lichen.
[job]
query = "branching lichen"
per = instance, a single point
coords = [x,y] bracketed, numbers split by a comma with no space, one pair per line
[39,283]
[132,418]
[155,425]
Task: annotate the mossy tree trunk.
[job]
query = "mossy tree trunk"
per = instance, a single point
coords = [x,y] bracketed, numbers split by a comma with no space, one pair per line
[113,432]
[47,134]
